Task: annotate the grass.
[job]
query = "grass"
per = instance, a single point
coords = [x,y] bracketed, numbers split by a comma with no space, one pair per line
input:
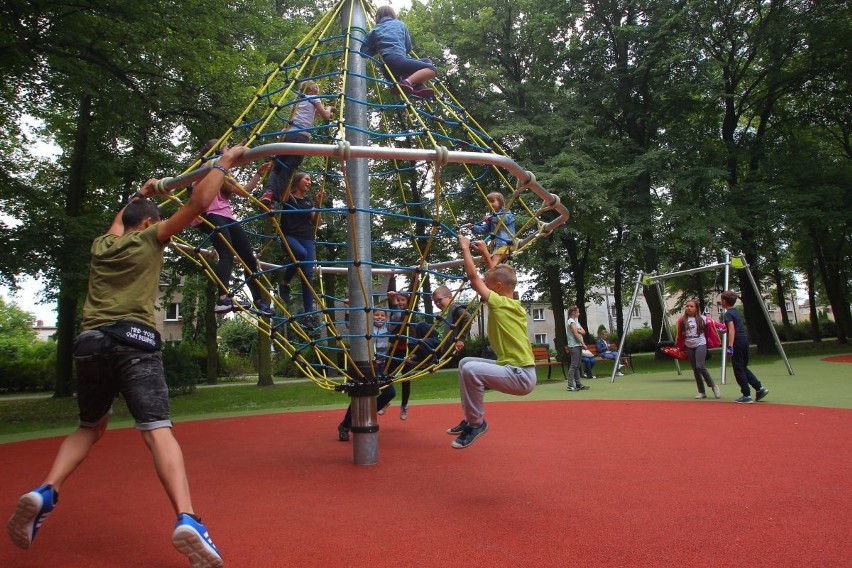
[815,383]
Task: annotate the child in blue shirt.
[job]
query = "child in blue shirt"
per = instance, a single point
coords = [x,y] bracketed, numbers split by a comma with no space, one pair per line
[390,39]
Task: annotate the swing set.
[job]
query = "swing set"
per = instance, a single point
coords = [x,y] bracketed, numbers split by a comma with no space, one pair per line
[651,279]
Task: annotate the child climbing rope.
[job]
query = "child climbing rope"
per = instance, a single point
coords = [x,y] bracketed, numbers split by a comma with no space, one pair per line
[498,225]
[304,114]
[390,39]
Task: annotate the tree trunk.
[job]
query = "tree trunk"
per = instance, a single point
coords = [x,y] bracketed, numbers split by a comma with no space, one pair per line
[210,331]
[618,286]
[828,271]
[264,358]
[814,320]
[780,299]
[69,273]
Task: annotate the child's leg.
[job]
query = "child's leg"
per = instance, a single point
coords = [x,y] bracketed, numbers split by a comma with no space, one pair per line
[168,461]
[750,378]
[222,244]
[738,361]
[242,246]
[95,393]
[475,374]
[406,392]
[692,356]
[74,449]
[304,250]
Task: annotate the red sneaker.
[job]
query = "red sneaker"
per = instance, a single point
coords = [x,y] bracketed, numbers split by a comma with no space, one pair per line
[424,93]
[405,87]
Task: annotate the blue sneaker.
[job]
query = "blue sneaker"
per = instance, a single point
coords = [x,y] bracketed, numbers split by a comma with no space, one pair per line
[191,538]
[470,434]
[264,309]
[31,511]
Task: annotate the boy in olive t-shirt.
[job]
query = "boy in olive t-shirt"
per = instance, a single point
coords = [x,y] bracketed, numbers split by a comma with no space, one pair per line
[514,370]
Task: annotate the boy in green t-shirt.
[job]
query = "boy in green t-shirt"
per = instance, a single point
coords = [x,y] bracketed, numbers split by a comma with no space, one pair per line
[514,370]
[118,351]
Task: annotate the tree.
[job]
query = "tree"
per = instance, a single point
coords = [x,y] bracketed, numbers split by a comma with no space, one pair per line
[122,89]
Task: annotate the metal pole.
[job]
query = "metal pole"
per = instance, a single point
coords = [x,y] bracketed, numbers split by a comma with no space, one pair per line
[766,315]
[365,427]
[665,321]
[725,333]
[626,327]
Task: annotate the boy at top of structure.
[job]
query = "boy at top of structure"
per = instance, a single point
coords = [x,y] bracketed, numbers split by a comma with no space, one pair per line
[737,348]
[118,351]
[499,225]
[306,107]
[514,370]
[390,39]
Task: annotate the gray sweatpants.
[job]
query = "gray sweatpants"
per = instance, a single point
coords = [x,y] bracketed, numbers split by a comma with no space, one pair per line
[476,373]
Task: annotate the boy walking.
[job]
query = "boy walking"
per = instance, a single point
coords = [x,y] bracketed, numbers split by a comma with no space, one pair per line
[514,370]
[118,351]
[738,350]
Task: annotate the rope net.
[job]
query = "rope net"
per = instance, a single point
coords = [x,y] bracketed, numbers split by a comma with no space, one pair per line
[420,198]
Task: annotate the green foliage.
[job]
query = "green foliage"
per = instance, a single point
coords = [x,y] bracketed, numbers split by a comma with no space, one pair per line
[802,331]
[15,324]
[27,366]
[25,362]
[181,368]
[640,340]
[238,337]
[235,365]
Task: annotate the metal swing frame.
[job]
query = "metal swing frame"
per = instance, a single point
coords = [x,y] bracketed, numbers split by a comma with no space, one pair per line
[738,262]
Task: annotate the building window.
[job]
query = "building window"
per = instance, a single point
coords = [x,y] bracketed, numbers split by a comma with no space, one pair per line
[637,311]
[538,314]
[770,307]
[540,339]
[172,312]
[788,305]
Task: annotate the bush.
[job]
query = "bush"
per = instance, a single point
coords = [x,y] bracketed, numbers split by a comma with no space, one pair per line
[28,366]
[640,340]
[235,366]
[181,369]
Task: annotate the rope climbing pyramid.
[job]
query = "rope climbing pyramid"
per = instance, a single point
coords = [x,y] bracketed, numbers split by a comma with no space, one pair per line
[392,180]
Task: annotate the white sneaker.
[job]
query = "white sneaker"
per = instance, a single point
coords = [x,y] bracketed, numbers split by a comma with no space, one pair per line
[619,374]
[701,395]
[717,392]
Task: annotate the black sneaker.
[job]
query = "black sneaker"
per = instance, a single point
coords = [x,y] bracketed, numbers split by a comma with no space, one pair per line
[761,394]
[573,389]
[342,433]
[469,435]
[284,292]
[583,387]
[458,429]
[744,400]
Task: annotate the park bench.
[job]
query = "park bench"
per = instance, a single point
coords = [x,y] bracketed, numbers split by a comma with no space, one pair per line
[626,359]
[542,358]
